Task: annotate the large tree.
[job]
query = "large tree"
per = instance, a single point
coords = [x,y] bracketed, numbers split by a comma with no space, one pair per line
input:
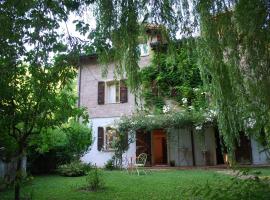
[31,81]
[233,41]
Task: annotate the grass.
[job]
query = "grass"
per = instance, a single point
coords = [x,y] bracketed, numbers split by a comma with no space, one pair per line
[262,171]
[167,184]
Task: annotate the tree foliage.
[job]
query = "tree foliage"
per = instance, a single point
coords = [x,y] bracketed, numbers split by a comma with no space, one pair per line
[233,42]
[237,59]
[58,146]
[73,137]
[31,82]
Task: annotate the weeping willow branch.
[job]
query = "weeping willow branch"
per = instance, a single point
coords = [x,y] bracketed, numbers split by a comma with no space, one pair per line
[233,42]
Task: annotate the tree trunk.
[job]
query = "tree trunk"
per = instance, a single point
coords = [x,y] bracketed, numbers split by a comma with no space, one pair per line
[18,176]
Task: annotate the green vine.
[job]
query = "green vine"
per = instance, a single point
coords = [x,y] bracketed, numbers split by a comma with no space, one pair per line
[173,77]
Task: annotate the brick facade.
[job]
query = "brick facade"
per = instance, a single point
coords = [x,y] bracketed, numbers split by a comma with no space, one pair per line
[90,74]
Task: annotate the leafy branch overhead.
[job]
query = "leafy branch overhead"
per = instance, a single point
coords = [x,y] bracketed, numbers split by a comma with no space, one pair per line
[34,85]
[233,51]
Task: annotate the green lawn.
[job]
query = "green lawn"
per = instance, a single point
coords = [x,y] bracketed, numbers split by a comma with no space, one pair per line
[262,171]
[166,184]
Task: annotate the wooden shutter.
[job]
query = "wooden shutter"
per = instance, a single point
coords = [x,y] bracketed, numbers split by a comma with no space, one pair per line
[123,92]
[100,141]
[101,92]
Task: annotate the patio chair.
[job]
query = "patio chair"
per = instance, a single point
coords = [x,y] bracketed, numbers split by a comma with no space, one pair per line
[140,163]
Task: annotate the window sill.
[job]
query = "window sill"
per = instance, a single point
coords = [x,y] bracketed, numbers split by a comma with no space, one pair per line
[145,55]
[114,103]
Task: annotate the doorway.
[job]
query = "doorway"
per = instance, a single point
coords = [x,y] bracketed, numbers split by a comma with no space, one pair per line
[219,146]
[143,145]
[159,147]
[243,151]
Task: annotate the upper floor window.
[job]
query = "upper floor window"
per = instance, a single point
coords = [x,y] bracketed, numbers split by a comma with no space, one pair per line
[112,92]
[144,49]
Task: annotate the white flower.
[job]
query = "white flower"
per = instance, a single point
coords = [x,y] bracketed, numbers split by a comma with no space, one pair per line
[196,89]
[198,127]
[213,112]
[210,115]
[191,107]
[250,123]
[166,109]
[208,119]
[184,100]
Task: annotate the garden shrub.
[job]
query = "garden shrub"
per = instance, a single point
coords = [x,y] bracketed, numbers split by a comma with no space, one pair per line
[236,189]
[54,147]
[2,184]
[110,164]
[95,180]
[75,168]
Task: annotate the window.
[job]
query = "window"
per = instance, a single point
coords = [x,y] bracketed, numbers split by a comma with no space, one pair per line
[113,92]
[107,136]
[144,49]
[110,137]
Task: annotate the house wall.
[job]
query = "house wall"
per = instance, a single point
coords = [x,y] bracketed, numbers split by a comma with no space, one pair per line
[89,78]
[258,157]
[205,141]
[100,158]
[103,115]
[180,147]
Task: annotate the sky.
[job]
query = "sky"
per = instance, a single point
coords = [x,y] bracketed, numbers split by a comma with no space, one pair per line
[69,27]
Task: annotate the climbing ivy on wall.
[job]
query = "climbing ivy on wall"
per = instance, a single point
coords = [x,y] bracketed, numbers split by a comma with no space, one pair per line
[173,77]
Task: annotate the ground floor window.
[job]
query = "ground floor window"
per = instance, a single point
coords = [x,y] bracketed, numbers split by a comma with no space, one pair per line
[111,135]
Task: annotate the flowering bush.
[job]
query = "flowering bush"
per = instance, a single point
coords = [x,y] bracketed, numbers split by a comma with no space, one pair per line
[142,121]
